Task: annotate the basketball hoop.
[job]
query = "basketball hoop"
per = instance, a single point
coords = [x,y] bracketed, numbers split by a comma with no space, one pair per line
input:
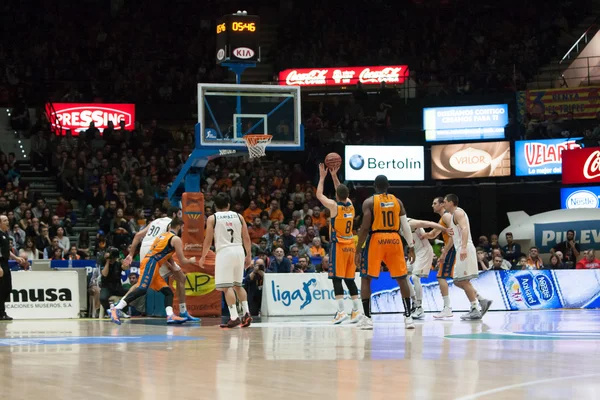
[257,143]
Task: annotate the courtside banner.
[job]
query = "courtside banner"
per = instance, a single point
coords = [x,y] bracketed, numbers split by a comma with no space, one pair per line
[582,102]
[44,295]
[301,294]
[398,163]
[541,157]
[509,290]
[78,116]
[341,76]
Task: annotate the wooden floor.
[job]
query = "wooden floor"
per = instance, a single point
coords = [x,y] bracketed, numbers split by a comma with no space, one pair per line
[533,355]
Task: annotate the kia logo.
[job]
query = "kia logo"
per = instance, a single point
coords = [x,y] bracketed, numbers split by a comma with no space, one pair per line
[591,169]
[357,162]
[243,53]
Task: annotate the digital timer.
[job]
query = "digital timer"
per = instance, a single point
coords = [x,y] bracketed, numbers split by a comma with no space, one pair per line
[237,38]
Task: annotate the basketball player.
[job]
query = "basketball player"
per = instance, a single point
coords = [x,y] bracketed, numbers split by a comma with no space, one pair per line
[232,240]
[342,252]
[161,251]
[423,259]
[465,267]
[147,236]
[383,217]
[447,260]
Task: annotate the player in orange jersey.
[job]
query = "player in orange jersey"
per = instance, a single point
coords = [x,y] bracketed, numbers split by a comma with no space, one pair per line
[342,251]
[160,253]
[383,217]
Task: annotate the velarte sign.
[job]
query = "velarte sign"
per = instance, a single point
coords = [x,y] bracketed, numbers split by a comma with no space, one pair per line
[398,163]
[581,166]
[78,116]
[541,157]
[341,76]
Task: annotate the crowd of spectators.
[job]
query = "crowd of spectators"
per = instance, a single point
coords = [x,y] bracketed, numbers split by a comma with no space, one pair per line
[450,46]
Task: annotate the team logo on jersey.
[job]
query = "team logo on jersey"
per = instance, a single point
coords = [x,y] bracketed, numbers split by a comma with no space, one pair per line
[348,215]
[387,205]
[193,214]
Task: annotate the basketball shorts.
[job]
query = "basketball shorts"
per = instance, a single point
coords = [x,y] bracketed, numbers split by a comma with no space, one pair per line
[422,264]
[150,276]
[466,269]
[229,267]
[164,271]
[383,247]
[446,271]
[341,260]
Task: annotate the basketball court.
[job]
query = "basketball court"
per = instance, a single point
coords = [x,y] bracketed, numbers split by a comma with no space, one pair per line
[508,355]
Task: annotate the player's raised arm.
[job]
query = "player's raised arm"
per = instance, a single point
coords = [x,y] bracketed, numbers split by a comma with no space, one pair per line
[334,175]
[329,203]
[417,223]
[135,244]
[208,238]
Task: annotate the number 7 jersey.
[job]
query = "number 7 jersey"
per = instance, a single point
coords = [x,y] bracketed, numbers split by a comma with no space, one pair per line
[341,224]
[228,230]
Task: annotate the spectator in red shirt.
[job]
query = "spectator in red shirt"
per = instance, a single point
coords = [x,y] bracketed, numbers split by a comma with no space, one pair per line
[589,260]
[256,231]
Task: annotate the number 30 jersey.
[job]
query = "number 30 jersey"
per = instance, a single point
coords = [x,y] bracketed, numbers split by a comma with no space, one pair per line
[228,230]
[156,228]
[341,224]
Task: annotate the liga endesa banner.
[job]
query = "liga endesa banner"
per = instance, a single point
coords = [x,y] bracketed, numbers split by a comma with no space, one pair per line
[341,76]
[301,294]
[202,299]
[77,116]
[44,295]
[581,165]
[509,290]
[584,103]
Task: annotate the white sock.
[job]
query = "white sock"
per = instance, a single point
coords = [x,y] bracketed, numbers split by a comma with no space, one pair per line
[480,297]
[169,311]
[245,307]
[356,304]
[341,305]
[121,304]
[182,308]
[475,305]
[446,301]
[233,314]
[412,289]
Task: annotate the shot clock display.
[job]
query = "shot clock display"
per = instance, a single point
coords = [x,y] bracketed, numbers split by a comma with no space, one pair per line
[238,38]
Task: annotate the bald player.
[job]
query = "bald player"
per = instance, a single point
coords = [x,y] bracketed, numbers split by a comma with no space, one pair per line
[383,217]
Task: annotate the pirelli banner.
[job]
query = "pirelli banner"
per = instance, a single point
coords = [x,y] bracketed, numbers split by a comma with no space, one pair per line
[202,299]
[584,102]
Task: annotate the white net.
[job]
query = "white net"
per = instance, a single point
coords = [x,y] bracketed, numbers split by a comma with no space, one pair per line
[257,144]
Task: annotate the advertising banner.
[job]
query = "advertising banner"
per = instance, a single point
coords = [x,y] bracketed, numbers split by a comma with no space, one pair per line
[548,235]
[301,294]
[541,157]
[470,160]
[398,163]
[78,116]
[465,122]
[342,76]
[509,290]
[581,166]
[580,197]
[44,295]
[202,299]
[582,102]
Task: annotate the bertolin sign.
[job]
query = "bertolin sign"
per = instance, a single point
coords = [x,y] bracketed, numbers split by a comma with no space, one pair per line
[78,116]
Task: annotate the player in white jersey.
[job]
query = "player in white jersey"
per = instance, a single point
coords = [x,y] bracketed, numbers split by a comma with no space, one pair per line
[233,249]
[465,268]
[421,265]
[146,236]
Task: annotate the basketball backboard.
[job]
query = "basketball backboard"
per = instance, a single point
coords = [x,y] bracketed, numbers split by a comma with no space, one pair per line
[228,112]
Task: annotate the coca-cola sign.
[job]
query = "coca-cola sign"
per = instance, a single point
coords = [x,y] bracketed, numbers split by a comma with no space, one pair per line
[342,76]
[78,116]
[581,165]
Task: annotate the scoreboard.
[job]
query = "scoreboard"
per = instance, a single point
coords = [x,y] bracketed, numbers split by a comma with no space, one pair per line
[238,38]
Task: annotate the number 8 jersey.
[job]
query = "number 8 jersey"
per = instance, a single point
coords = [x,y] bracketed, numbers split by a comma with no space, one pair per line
[341,224]
[228,230]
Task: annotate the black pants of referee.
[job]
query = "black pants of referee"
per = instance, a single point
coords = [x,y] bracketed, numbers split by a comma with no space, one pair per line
[5,287]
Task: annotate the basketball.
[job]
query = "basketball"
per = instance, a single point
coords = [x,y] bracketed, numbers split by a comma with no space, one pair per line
[333,160]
